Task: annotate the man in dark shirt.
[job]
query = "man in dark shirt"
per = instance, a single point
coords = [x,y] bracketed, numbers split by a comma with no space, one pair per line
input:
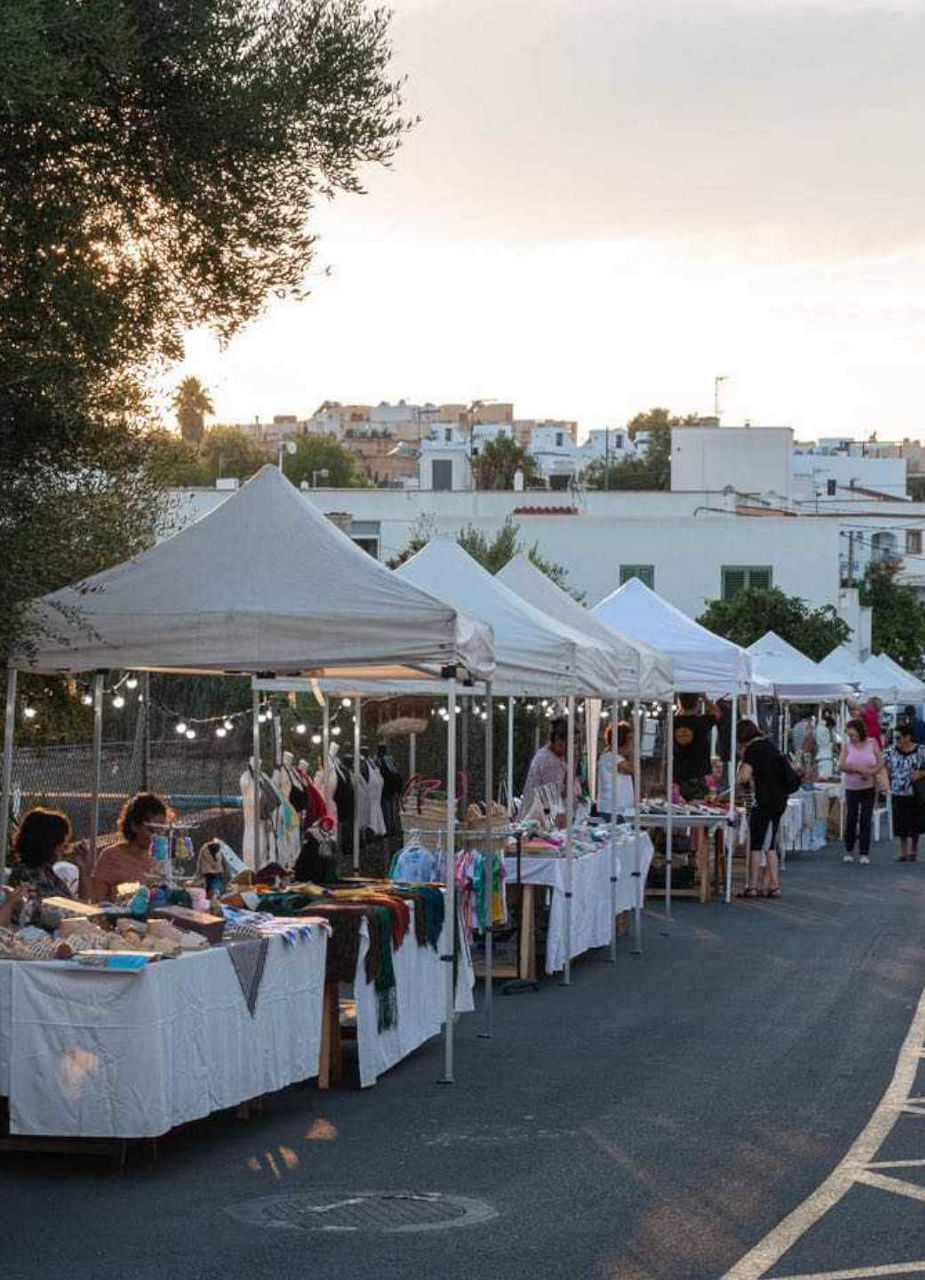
[692,730]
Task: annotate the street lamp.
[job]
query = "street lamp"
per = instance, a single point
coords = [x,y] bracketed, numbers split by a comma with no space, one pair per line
[284,446]
[323,472]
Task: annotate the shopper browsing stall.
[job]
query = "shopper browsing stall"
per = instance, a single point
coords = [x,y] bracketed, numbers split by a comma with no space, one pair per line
[905,763]
[693,731]
[766,771]
[625,800]
[858,762]
[130,860]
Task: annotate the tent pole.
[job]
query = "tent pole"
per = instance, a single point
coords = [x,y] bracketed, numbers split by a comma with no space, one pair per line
[569,823]
[255,752]
[146,734]
[669,820]
[730,837]
[412,755]
[97,764]
[614,776]
[6,778]
[449,957]
[488,862]
[357,780]
[639,894]
[325,734]
[510,756]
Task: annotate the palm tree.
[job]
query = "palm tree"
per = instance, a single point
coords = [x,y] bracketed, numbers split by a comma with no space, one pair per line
[192,403]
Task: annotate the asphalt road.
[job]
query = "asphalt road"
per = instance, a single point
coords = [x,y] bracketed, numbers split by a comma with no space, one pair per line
[654,1120]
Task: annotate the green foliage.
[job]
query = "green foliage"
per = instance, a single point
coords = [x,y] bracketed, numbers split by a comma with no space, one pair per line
[192,404]
[159,164]
[324,453]
[651,472]
[423,529]
[497,461]
[898,621]
[750,613]
[222,451]
[58,525]
[916,488]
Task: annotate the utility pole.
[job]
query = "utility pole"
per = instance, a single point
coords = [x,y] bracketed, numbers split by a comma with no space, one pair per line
[717,381]
[607,457]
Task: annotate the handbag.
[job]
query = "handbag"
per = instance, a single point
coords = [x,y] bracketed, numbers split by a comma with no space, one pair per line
[918,787]
[882,780]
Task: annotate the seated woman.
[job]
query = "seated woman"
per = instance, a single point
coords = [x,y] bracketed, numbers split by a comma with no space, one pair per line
[42,840]
[130,860]
[626,801]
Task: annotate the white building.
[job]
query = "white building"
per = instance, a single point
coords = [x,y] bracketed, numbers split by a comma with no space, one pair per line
[752,460]
[820,475]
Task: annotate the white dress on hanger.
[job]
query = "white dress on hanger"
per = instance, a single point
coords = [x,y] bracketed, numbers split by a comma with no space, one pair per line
[246,785]
[376,822]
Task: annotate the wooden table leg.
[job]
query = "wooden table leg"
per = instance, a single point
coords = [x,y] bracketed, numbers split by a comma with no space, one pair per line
[527,932]
[325,1053]
[703,864]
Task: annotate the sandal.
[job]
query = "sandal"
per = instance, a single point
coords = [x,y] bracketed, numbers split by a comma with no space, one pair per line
[749,893]
[773,893]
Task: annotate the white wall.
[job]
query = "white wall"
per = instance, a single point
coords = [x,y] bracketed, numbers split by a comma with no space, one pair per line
[882,475]
[750,459]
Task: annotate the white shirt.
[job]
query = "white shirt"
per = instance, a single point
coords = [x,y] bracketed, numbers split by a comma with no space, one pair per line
[626,801]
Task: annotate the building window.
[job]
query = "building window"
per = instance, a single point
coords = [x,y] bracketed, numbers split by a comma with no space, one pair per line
[830,487]
[447,434]
[618,440]
[644,572]
[442,474]
[913,542]
[883,547]
[558,439]
[745,577]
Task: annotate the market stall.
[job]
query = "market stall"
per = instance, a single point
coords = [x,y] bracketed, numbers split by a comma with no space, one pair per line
[702,663]
[262,585]
[104,1053]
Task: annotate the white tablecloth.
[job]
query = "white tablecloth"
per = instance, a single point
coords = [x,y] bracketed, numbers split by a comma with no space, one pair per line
[420,990]
[93,1053]
[590,893]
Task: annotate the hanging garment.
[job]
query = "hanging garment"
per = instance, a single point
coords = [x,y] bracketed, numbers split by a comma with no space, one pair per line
[345,802]
[267,843]
[375,784]
[392,786]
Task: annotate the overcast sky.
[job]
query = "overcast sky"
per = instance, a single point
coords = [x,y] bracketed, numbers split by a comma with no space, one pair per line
[607,203]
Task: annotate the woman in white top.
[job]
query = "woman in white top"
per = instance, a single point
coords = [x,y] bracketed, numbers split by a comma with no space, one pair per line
[626,801]
[825,745]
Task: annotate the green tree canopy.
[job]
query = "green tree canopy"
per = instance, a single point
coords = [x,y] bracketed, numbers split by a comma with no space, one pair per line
[898,618]
[324,453]
[750,613]
[192,404]
[159,164]
[497,461]
[651,472]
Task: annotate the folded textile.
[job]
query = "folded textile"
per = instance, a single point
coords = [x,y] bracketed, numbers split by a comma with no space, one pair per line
[249,959]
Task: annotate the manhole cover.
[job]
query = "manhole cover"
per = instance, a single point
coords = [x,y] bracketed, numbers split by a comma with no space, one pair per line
[389,1211]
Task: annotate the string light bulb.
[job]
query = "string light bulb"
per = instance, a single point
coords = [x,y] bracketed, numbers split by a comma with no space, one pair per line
[336,731]
[300,728]
[87,699]
[316,739]
[261,718]
[29,712]
[228,726]
[131,682]
[191,733]
[220,731]
[346,702]
[118,702]
[181,727]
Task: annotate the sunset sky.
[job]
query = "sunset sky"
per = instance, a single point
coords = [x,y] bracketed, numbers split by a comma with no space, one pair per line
[607,203]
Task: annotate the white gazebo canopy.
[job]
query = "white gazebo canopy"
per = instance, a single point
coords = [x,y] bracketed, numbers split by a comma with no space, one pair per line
[644,672]
[790,676]
[534,653]
[841,664]
[703,662]
[908,688]
[263,584]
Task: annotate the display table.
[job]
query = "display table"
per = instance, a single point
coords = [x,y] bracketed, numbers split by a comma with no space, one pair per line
[804,826]
[420,990]
[714,822]
[591,897]
[102,1054]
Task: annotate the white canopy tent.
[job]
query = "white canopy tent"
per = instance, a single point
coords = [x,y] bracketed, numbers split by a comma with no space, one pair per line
[264,584]
[788,675]
[841,664]
[703,662]
[909,688]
